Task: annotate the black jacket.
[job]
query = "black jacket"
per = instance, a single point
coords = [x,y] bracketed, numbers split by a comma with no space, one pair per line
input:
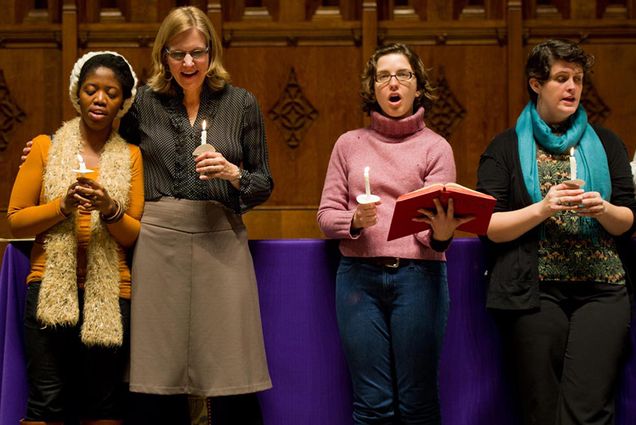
[513,277]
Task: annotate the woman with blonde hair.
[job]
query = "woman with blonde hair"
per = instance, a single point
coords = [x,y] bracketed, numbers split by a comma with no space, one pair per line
[196,326]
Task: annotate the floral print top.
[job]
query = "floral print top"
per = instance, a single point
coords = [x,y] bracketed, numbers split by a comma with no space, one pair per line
[565,253]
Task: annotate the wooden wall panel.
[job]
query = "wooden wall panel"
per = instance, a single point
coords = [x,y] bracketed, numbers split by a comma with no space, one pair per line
[33,79]
[477,46]
[474,75]
[9,9]
[333,92]
[612,77]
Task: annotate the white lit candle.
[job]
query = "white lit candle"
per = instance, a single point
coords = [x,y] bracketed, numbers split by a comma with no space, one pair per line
[82,164]
[572,164]
[366,197]
[204,133]
[81,169]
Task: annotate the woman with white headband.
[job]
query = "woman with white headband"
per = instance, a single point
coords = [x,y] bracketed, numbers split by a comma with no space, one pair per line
[80,193]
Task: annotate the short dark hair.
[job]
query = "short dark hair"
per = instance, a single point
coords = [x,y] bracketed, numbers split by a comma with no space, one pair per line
[543,56]
[116,64]
[424,86]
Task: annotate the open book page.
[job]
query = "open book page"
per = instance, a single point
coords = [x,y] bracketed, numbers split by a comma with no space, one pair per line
[455,187]
[450,188]
[432,188]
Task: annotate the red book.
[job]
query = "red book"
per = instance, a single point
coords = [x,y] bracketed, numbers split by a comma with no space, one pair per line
[466,202]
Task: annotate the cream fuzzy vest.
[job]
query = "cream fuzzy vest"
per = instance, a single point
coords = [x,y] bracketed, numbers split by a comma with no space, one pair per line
[58,301]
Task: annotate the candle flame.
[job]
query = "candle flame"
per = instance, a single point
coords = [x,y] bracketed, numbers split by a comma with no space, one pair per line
[572,151]
[366,171]
[204,125]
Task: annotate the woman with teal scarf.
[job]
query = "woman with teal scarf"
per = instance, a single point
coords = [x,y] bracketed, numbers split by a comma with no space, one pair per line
[559,246]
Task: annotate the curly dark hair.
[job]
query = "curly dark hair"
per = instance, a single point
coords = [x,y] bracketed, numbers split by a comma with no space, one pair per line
[116,64]
[424,86]
[543,56]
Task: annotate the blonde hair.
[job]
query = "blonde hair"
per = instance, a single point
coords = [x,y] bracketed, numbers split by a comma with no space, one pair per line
[178,21]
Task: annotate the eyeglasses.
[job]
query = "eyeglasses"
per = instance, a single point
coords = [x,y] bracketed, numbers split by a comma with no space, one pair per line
[179,55]
[385,77]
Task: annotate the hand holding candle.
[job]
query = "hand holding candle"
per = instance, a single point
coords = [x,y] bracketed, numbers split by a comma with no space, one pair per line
[367,197]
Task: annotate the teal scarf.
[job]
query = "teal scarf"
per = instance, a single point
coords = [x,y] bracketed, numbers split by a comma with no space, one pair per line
[590,155]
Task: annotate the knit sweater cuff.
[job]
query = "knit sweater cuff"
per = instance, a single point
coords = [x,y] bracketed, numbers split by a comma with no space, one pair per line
[343,225]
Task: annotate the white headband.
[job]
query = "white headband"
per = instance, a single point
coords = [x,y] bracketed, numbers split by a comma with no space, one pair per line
[74,81]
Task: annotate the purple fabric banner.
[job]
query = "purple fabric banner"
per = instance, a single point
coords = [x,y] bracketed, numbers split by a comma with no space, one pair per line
[13,387]
[311,383]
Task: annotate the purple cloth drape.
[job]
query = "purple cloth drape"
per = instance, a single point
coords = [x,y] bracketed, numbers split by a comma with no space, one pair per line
[311,383]
[13,388]
[296,281]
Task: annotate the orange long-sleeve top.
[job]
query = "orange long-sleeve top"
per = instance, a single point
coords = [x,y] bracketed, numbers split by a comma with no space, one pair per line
[29,215]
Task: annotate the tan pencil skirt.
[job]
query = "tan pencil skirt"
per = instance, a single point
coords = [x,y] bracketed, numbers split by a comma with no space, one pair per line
[195,324]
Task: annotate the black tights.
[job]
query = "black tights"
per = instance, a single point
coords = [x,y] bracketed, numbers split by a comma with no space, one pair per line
[152,409]
[242,409]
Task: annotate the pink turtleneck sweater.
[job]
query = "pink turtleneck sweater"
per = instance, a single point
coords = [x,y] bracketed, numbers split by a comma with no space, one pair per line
[402,155]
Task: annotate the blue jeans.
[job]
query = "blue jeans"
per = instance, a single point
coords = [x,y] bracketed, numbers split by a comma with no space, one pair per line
[392,324]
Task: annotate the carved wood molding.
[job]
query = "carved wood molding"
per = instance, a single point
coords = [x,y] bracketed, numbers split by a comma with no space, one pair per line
[19,36]
[50,12]
[596,108]
[446,112]
[319,32]
[293,113]
[93,11]
[473,12]
[606,30]
[10,113]
[548,11]
[328,33]
[465,32]
[616,11]
[97,35]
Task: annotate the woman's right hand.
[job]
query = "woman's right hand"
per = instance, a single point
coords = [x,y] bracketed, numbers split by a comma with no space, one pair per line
[71,201]
[365,215]
[26,150]
[506,226]
[562,197]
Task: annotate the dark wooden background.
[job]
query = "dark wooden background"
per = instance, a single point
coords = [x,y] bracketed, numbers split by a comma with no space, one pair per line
[302,60]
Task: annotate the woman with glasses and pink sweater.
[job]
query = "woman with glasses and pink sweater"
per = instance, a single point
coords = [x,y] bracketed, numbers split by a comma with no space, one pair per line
[391,296]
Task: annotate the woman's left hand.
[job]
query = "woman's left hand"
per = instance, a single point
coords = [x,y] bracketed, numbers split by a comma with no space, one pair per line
[592,205]
[443,223]
[93,196]
[213,165]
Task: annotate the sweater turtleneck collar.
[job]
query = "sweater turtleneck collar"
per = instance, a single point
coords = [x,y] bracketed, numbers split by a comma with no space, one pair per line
[398,128]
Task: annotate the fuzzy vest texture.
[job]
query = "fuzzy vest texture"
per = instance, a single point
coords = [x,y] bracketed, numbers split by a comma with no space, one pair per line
[58,302]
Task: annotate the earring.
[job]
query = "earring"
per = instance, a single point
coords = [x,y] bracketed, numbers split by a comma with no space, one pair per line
[167,75]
